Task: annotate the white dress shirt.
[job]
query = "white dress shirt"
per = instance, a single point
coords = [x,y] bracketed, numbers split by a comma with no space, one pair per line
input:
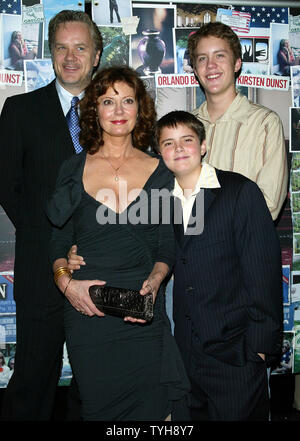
[207,179]
[65,97]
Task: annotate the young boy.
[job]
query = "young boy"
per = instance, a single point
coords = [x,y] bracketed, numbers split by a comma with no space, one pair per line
[227,280]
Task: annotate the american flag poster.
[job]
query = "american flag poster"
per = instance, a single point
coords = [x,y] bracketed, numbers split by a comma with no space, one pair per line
[10,7]
[262,17]
[253,21]
[238,21]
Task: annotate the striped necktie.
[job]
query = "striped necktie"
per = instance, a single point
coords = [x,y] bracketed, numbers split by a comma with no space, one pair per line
[73,123]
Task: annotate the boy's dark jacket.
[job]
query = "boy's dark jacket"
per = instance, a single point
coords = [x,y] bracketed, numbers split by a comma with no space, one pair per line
[228,280]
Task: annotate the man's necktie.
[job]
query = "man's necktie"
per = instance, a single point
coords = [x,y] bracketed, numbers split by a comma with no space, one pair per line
[73,123]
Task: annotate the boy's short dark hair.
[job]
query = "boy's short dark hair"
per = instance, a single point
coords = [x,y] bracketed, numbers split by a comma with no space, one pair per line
[218,30]
[177,118]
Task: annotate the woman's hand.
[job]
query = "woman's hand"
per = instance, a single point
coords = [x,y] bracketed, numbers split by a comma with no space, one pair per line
[77,292]
[152,284]
[148,286]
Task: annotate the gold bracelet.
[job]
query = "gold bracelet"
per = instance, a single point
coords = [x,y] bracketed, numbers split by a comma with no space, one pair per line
[65,290]
[60,272]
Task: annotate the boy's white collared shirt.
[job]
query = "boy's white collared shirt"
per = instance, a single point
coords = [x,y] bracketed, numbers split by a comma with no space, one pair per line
[207,179]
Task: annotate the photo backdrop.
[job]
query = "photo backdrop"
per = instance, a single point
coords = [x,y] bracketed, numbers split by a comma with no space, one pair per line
[127,29]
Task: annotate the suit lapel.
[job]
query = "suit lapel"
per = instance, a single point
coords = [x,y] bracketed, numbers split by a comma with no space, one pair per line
[53,99]
[178,221]
[57,121]
[209,196]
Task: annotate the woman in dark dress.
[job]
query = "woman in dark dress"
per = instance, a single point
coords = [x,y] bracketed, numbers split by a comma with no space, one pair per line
[126,369]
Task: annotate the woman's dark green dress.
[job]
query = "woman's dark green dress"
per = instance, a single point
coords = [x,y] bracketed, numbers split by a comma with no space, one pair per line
[124,371]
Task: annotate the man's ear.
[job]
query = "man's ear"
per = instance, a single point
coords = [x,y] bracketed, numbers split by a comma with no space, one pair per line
[237,65]
[203,148]
[195,73]
[97,59]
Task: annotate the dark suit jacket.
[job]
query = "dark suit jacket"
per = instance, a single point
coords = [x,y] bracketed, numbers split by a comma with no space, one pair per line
[228,280]
[35,140]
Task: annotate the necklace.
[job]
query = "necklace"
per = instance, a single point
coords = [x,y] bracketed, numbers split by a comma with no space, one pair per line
[115,169]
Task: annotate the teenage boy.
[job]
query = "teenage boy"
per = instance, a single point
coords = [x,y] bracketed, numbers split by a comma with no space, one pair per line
[241,136]
[227,280]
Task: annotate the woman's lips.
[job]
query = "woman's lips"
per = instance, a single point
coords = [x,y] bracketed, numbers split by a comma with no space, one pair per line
[119,121]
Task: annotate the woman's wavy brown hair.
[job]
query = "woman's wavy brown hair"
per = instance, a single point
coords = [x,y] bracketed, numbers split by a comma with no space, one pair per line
[91,132]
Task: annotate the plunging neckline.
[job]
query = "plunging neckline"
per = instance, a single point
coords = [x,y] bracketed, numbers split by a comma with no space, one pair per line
[118,213]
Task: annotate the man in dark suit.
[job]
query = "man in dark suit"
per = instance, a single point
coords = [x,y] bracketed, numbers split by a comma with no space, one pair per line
[227,279]
[35,140]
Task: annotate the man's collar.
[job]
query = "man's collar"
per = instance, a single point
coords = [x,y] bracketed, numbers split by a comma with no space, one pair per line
[207,179]
[61,90]
[65,97]
[238,110]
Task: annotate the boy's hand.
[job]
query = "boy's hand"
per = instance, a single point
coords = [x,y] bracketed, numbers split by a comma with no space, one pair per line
[74,261]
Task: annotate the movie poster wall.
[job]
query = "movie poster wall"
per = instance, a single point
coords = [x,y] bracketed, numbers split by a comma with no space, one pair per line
[128,28]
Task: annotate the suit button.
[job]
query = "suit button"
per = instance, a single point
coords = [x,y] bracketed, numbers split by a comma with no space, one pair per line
[183,260]
[188,317]
[189,289]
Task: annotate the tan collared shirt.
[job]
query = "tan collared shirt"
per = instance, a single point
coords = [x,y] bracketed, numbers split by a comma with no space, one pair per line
[207,179]
[248,139]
